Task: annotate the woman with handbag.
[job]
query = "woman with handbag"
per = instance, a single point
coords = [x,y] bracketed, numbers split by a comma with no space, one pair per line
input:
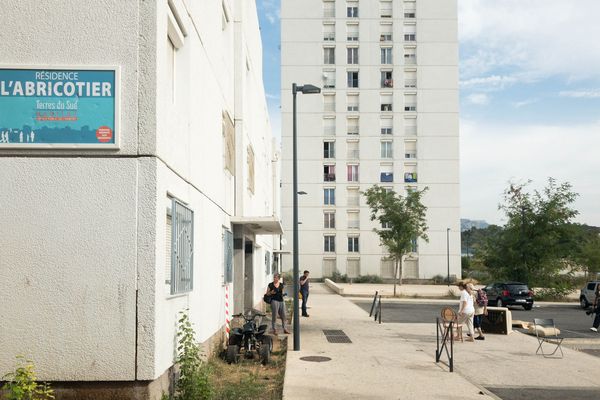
[275,290]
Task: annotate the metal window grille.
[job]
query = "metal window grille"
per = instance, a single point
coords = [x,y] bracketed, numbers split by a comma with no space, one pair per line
[227,256]
[182,249]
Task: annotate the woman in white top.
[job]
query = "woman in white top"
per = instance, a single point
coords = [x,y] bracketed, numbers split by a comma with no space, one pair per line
[466,310]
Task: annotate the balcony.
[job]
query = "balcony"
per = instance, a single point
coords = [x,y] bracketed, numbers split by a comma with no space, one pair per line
[410,177]
[410,83]
[387,83]
[329,177]
[329,37]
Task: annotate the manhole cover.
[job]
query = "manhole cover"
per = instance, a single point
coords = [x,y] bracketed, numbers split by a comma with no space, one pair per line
[315,358]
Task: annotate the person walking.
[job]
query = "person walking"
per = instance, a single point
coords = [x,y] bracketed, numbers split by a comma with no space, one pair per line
[596,310]
[466,310]
[480,303]
[275,290]
[304,288]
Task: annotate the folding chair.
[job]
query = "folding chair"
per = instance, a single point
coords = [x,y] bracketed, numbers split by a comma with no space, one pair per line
[449,317]
[549,335]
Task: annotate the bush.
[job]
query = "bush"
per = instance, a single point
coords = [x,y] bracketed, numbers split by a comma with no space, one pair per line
[339,278]
[22,385]
[368,279]
[438,279]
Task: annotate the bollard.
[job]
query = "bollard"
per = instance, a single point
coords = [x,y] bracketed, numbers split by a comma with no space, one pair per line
[373,305]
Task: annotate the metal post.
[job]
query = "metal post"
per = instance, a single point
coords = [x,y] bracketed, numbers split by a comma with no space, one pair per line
[448,252]
[296,276]
[373,305]
[380,309]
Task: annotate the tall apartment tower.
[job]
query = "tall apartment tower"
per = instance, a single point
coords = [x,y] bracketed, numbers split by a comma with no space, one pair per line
[387,115]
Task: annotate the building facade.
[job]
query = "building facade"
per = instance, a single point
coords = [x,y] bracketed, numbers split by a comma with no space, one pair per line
[387,115]
[109,231]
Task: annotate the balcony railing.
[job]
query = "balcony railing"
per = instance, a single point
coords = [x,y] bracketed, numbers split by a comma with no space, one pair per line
[329,177]
[353,131]
[329,13]
[353,154]
[329,37]
[386,13]
[387,83]
[353,225]
[410,83]
[410,59]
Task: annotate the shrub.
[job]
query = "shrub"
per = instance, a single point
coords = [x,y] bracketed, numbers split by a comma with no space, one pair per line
[21,384]
[368,279]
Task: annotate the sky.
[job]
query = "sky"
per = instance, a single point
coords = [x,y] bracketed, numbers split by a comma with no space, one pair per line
[529,98]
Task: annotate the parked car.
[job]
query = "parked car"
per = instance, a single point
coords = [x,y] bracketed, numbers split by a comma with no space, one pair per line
[587,294]
[502,294]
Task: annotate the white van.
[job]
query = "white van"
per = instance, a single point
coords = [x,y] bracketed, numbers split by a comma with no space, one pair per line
[588,294]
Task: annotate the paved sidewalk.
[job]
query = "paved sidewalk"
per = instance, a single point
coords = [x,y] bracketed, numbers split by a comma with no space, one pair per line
[397,361]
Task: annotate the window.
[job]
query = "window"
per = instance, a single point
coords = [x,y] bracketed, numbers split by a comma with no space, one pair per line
[329,55]
[329,79]
[328,149]
[329,173]
[415,245]
[353,268]
[352,32]
[385,225]
[329,220]
[329,243]
[386,107]
[385,9]
[387,126]
[410,177]
[386,79]
[329,9]
[352,102]
[227,256]
[353,197]
[410,126]
[329,196]
[329,102]
[329,32]
[410,103]
[386,55]
[352,124]
[228,142]
[387,173]
[352,53]
[267,262]
[352,173]
[386,131]
[386,149]
[410,56]
[410,149]
[352,79]
[352,12]
[410,79]
[410,14]
[385,37]
[250,169]
[328,267]
[182,248]
[353,220]
[386,102]
[410,33]
[329,126]
[387,268]
[353,150]
[353,244]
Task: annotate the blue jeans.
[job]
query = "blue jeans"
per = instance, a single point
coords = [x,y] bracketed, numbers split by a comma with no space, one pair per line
[304,300]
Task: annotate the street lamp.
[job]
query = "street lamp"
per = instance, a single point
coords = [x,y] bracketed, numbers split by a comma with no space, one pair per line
[306,89]
[448,252]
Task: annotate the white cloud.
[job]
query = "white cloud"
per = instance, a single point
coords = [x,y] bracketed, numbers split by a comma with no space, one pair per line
[492,82]
[493,154]
[541,38]
[523,103]
[272,12]
[480,99]
[588,94]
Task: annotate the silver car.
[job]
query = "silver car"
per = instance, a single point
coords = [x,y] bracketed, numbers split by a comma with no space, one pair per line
[588,294]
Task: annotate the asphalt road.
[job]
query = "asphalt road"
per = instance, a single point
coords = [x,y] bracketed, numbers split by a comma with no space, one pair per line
[569,318]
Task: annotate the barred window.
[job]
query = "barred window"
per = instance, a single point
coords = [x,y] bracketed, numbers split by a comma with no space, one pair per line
[182,248]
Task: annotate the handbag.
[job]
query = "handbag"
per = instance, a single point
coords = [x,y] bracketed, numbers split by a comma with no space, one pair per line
[300,297]
[267,298]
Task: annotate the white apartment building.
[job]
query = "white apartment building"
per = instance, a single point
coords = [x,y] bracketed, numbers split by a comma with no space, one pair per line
[387,115]
[139,179]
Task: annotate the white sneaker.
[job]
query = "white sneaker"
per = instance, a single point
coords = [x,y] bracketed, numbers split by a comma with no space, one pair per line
[593,329]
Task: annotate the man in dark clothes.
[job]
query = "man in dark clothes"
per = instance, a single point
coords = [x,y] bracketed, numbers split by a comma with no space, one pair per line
[304,290]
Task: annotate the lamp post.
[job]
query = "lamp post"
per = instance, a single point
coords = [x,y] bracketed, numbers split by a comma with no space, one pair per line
[306,89]
[448,252]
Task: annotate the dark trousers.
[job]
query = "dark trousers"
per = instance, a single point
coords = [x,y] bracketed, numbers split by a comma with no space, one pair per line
[596,323]
[304,300]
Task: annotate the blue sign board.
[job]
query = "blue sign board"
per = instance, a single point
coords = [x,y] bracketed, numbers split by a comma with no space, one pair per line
[58,108]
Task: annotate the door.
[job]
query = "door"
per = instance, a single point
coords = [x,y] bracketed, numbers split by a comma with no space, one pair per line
[248,275]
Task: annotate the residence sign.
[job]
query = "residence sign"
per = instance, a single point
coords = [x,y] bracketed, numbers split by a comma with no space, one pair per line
[59,107]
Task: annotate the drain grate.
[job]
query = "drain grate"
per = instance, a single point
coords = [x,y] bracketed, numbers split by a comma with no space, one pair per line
[336,336]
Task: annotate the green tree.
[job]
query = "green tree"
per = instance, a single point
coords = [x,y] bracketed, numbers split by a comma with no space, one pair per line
[402,221]
[530,247]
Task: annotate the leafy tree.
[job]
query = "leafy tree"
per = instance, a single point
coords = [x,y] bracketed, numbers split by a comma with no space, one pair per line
[402,221]
[530,248]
